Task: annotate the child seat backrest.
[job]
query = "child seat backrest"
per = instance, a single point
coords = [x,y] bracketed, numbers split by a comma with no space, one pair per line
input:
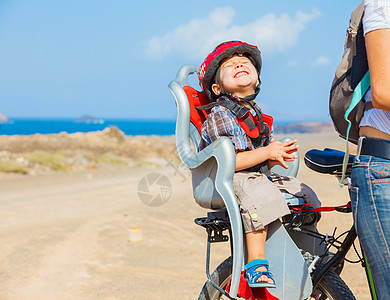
[203,178]
[205,165]
[212,168]
[197,117]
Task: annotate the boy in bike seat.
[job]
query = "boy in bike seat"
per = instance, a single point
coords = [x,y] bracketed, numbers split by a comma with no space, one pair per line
[230,76]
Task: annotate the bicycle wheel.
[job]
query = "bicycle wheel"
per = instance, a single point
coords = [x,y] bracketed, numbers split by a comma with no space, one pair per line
[220,277]
[331,287]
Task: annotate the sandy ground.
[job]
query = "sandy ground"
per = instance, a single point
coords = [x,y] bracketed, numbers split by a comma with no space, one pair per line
[66,235]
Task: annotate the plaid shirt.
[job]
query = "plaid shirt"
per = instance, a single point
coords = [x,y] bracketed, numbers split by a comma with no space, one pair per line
[221,122]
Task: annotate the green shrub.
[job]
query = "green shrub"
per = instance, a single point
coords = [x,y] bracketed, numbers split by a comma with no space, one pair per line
[111,160]
[148,163]
[10,167]
[48,159]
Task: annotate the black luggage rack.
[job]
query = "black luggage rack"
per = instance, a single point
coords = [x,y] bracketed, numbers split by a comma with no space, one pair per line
[215,224]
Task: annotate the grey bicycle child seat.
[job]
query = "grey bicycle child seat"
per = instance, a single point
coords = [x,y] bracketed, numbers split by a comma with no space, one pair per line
[212,171]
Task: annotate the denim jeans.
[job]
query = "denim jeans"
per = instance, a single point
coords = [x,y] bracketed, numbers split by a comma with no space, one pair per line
[370,197]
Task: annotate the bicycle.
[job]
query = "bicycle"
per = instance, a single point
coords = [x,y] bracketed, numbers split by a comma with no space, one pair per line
[325,268]
[212,169]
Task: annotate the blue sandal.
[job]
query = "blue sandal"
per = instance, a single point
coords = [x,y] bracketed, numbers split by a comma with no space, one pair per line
[252,275]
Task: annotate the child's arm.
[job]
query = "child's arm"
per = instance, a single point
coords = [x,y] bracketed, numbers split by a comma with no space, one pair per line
[275,153]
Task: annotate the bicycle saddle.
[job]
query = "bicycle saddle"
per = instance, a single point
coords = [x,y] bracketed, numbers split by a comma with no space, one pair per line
[327,161]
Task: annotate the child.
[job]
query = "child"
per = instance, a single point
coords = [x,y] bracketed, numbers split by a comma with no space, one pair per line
[230,76]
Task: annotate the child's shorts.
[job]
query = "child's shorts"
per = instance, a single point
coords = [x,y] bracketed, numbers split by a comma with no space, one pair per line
[261,201]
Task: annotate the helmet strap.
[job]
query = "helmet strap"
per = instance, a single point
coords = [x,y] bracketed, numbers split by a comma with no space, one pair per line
[245,99]
[253,96]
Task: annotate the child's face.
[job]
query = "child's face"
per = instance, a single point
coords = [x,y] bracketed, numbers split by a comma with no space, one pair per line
[238,76]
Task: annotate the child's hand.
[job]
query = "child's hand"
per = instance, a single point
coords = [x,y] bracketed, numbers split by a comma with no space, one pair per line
[279,152]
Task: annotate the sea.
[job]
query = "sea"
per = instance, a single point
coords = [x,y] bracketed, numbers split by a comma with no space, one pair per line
[50,126]
[19,126]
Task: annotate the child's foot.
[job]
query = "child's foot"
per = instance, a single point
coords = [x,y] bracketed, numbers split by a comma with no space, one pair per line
[258,275]
[264,278]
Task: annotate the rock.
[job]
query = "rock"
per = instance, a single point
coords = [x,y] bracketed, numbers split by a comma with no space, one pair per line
[114,133]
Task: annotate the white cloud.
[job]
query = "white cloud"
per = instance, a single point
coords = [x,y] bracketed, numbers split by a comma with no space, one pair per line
[293,63]
[321,61]
[196,38]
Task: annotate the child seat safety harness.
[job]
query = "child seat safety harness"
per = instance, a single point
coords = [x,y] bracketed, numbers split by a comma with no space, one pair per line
[257,127]
[254,126]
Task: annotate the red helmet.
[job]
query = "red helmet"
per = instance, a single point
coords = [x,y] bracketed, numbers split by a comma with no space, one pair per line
[209,67]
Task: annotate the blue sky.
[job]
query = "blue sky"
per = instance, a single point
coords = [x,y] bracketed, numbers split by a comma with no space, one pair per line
[114,59]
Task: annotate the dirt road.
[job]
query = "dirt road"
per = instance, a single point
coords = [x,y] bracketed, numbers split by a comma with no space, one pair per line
[66,236]
[69,240]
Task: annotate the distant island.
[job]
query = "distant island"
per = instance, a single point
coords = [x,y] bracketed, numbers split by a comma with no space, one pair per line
[3,119]
[89,120]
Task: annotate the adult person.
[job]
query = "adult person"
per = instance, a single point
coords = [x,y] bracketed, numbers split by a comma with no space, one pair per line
[370,192]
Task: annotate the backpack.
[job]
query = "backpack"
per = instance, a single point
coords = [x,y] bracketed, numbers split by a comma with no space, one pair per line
[351,82]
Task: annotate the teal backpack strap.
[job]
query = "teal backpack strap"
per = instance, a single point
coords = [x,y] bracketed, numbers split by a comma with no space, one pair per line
[358,94]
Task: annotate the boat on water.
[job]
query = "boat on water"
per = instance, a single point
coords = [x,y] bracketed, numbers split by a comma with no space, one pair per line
[89,120]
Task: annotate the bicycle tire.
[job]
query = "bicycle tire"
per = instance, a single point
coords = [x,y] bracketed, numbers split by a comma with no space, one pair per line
[220,277]
[331,287]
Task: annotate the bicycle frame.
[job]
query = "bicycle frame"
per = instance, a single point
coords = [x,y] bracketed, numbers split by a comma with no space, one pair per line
[336,262]
[217,222]
[338,259]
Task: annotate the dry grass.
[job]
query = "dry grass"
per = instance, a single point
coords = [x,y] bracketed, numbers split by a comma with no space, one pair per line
[10,167]
[112,160]
[54,161]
